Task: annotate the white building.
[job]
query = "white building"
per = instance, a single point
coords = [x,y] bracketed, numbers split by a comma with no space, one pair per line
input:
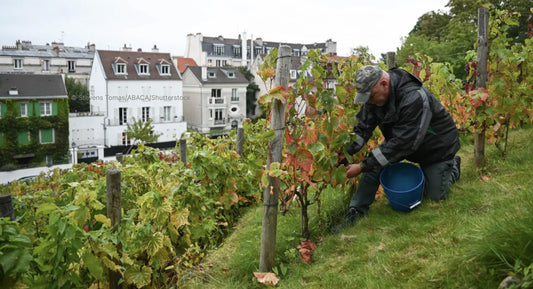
[215,99]
[25,57]
[134,85]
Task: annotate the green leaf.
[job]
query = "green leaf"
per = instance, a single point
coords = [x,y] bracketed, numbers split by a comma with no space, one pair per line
[94,265]
[139,277]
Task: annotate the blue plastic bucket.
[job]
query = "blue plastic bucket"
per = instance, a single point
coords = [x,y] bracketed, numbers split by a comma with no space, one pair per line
[403,185]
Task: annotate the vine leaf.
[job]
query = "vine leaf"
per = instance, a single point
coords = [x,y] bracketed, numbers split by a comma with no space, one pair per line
[306,249]
[140,277]
[269,279]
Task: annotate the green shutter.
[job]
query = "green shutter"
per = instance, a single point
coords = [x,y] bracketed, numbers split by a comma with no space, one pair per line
[3,110]
[29,107]
[1,139]
[17,109]
[47,135]
[54,108]
[23,137]
[37,108]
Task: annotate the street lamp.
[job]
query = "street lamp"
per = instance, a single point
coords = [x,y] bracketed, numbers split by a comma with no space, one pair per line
[74,156]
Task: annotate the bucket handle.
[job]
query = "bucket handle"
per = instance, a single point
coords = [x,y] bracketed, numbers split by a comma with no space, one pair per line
[415,204]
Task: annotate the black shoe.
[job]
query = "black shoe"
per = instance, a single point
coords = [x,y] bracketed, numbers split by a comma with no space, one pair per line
[348,221]
[458,164]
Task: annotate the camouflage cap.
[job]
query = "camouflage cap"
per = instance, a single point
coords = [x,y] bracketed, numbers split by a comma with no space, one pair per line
[365,79]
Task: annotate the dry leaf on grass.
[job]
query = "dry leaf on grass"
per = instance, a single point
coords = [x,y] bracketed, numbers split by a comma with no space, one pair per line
[306,251]
[269,279]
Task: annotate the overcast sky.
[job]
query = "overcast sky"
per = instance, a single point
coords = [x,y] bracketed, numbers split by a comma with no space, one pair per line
[378,25]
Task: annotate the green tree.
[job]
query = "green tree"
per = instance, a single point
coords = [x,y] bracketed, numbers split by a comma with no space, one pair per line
[78,95]
[251,91]
[141,131]
[448,36]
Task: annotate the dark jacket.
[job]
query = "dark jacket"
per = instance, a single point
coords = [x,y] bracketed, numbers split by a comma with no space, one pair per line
[414,123]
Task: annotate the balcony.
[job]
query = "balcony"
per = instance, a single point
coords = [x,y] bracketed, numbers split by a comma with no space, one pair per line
[216,100]
[219,122]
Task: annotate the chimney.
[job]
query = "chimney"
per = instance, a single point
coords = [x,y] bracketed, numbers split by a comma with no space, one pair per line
[126,48]
[155,49]
[204,73]
[91,47]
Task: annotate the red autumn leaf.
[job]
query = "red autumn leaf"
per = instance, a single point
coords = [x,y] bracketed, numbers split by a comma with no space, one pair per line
[304,159]
[310,135]
[306,249]
[269,279]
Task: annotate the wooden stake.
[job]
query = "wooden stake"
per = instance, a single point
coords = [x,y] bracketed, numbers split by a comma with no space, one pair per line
[271,193]
[481,78]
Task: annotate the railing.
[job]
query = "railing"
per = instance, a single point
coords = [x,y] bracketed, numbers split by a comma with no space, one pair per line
[219,121]
[216,100]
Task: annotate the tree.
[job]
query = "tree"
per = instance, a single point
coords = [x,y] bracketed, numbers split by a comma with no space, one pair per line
[78,95]
[448,36]
[251,91]
[141,131]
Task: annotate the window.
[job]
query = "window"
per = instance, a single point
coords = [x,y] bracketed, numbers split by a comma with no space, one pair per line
[218,116]
[71,66]
[211,74]
[122,115]
[145,114]
[219,49]
[45,64]
[234,96]
[166,113]
[46,108]
[120,68]
[23,137]
[218,63]
[296,52]
[294,74]
[237,51]
[216,92]
[47,135]
[17,63]
[24,109]
[125,139]
[143,69]
[165,69]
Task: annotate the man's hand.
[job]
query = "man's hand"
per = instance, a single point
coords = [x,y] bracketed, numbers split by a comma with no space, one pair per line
[353,170]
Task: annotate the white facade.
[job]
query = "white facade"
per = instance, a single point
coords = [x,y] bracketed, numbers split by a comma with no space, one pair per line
[54,58]
[214,103]
[122,101]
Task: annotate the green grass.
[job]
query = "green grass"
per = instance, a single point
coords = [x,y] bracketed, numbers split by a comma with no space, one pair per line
[459,243]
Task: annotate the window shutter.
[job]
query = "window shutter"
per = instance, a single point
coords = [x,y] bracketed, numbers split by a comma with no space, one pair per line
[37,106]
[54,108]
[47,135]
[3,110]
[23,137]
[1,139]
[30,106]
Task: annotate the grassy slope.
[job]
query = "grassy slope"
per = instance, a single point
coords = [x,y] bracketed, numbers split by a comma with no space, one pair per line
[431,247]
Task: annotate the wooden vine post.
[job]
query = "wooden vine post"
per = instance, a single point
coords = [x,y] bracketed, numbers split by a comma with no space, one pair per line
[481,78]
[114,212]
[271,193]
[240,140]
[391,59]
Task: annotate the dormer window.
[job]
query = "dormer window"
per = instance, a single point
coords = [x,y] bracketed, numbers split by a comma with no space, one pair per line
[143,68]
[120,68]
[164,69]
[231,74]
[211,74]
